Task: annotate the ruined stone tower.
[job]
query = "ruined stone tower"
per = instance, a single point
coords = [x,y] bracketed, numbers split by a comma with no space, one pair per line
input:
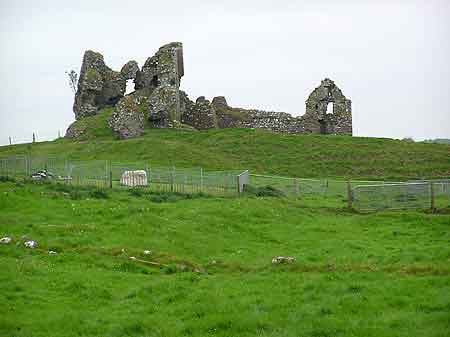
[159,80]
[159,103]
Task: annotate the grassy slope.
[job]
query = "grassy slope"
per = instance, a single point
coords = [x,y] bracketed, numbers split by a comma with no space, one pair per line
[357,275]
[262,152]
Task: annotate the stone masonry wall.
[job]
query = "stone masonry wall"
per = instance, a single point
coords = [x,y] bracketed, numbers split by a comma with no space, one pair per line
[158,98]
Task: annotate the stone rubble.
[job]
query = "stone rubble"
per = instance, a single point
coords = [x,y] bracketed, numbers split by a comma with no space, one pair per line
[283,259]
[6,240]
[31,244]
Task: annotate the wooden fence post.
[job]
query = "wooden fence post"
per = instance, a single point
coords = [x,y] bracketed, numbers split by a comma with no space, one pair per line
[238,185]
[201,179]
[432,197]
[110,175]
[172,179]
[349,195]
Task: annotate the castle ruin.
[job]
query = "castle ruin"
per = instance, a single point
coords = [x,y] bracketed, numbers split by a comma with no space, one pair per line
[158,102]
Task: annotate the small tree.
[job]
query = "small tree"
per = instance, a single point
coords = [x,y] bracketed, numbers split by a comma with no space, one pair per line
[73,80]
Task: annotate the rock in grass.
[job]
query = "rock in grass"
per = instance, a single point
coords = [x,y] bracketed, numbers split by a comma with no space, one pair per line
[5,240]
[52,252]
[31,244]
[283,259]
[147,252]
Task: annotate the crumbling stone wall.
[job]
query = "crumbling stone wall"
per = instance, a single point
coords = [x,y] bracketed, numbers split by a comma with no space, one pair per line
[158,98]
[204,115]
[127,121]
[199,115]
[159,80]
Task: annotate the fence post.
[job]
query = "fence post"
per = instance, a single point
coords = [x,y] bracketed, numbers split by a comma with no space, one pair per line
[30,164]
[238,185]
[172,179]
[201,179]
[147,173]
[349,195]
[110,175]
[432,201]
[297,188]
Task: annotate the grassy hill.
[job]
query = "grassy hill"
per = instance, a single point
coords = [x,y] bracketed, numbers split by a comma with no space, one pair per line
[368,275]
[257,150]
[209,272]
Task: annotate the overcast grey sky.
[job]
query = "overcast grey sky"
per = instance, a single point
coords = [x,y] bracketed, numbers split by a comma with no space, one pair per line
[391,58]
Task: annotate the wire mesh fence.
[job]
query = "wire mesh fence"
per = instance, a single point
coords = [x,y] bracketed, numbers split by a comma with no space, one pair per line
[291,187]
[102,173]
[365,195]
[441,187]
[173,179]
[86,173]
[16,166]
[295,187]
[393,196]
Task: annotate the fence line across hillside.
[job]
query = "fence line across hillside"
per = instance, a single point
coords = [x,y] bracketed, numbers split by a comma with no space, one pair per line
[361,195]
[104,174]
[393,196]
[364,195]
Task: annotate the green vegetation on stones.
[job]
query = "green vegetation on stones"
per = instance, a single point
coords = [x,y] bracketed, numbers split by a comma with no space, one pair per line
[93,75]
[95,127]
[235,113]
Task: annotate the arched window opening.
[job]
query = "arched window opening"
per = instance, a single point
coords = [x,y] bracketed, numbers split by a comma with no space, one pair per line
[330,108]
[129,87]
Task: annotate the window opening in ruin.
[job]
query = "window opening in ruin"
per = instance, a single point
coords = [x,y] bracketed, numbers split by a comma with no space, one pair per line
[129,87]
[154,81]
[330,108]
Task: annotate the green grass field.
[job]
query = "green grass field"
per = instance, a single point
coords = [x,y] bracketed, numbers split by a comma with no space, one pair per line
[379,274]
[210,272]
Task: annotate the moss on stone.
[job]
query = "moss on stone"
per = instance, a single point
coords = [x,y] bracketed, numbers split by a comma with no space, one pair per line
[93,75]
[235,113]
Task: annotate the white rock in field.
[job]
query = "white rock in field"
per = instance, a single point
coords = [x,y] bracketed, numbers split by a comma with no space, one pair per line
[31,244]
[132,258]
[134,178]
[51,252]
[147,252]
[283,259]
[5,240]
